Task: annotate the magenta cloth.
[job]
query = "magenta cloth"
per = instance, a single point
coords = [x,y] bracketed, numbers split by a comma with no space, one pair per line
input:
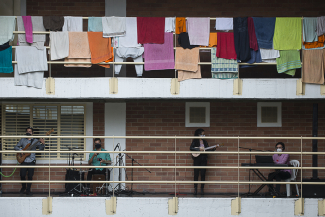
[283,159]
[151,30]
[226,45]
[252,35]
[28,28]
[160,56]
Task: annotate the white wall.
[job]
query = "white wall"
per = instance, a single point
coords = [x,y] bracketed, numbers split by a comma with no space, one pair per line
[159,88]
[153,206]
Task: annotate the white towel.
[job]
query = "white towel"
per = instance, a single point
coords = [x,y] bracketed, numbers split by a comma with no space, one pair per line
[38,39]
[72,24]
[8,25]
[170,24]
[30,59]
[269,55]
[59,45]
[113,26]
[224,24]
[131,37]
[198,30]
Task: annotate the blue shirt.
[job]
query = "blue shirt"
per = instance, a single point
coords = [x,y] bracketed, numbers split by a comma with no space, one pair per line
[103,156]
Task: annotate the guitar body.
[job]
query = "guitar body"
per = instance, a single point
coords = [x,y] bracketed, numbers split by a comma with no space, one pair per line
[22,157]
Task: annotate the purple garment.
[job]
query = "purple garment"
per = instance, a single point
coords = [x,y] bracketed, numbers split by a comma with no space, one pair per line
[28,28]
[159,56]
[283,159]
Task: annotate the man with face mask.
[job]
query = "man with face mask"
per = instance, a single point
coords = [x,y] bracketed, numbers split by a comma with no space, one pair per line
[280,159]
[98,159]
[30,160]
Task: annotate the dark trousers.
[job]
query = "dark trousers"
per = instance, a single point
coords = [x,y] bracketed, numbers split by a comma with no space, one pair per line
[199,162]
[30,173]
[94,171]
[278,177]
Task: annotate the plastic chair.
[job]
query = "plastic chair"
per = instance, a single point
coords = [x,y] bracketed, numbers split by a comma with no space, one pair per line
[294,163]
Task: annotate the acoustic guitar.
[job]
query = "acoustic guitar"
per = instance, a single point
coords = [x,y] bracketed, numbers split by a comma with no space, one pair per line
[210,147]
[21,157]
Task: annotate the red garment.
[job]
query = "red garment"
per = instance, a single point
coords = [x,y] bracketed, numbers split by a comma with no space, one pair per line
[151,30]
[252,36]
[226,45]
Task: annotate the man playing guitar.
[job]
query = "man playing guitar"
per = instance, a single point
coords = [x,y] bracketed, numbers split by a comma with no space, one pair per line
[30,160]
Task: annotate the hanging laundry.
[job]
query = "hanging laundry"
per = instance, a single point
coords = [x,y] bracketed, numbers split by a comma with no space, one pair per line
[226,45]
[255,58]
[213,39]
[8,25]
[269,55]
[223,68]
[319,44]
[131,37]
[100,48]
[224,24]
[169,24]
[6,59]
[53,23]
[113,26]
[30,79]
[78,49]
[309,29]
[198,30]
[241,38]
[320,25]
[72,24]
[264,29]
[38,40]
[159,56]
[313,67]
[180,25]
[95,24]
[288,61]
[252,35]
[27,20]
[59,42]
[184,41]
[187,63]
[287,33]
[122,53]
[151,30]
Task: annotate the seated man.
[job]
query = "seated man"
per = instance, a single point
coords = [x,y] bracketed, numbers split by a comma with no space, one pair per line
[98,159]
[280,159]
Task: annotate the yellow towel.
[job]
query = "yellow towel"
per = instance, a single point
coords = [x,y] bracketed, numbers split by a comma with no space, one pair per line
[187,63]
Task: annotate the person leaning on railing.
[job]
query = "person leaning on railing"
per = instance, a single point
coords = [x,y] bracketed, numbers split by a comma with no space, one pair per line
[280,159]
[199,160]
[30,160]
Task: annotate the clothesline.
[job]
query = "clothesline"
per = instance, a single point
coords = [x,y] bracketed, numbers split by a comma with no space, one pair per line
[86,18]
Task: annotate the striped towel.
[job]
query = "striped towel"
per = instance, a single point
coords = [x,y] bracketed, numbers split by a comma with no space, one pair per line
[223,68]
[288,61]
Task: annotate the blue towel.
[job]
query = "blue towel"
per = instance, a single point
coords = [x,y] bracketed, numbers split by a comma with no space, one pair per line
[255,58]
[310,29]
[264,29]
[6,60]
[95,24]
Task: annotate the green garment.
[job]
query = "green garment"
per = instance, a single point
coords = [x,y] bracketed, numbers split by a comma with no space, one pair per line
[288,61]
[287,33]
[96,162]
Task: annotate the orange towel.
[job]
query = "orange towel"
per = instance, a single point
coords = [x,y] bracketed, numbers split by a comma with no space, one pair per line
[315,44]
[100,48]
[187,63]
[313,67]
[213,39]
[180,25]
[78,49]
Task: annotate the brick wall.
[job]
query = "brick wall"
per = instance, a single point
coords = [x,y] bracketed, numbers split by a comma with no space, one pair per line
[227,119]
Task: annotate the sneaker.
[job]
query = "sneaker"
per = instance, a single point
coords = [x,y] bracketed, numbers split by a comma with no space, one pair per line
[29,193]
[22,190]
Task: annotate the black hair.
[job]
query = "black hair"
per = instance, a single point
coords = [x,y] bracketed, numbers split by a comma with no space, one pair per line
[97,139]
[281,143]
[198,132]
[29,127]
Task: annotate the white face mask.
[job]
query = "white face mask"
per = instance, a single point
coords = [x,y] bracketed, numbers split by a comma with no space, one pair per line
[279,150]
[202,135]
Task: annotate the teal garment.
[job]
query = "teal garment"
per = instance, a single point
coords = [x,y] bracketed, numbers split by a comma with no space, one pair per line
[223,68]
[104,156]
[310,29]
[6,60]
[95,24]
[288,61]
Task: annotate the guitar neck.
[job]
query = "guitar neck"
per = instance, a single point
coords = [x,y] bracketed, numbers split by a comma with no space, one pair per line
[32,145]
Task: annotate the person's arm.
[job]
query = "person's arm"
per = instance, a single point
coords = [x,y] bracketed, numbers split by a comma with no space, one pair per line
[91,158]
[41,144]
[18,146]
[193,148]
[107,159]
[283,159]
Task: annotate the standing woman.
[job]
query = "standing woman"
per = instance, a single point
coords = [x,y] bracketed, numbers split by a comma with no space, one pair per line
[199,159]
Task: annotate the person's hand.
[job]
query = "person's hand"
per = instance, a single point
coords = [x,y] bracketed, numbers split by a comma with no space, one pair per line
[42,141]
[95,154]
[201,148]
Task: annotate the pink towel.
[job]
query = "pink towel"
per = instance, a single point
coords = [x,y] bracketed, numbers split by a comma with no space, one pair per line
[160,56]
[198,29]
[28,28]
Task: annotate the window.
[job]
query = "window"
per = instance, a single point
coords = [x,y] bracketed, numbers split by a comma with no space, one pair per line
[67,120]
[269,114]
[197,114]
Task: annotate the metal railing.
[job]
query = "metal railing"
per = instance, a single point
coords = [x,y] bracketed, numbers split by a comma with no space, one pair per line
[176,166]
